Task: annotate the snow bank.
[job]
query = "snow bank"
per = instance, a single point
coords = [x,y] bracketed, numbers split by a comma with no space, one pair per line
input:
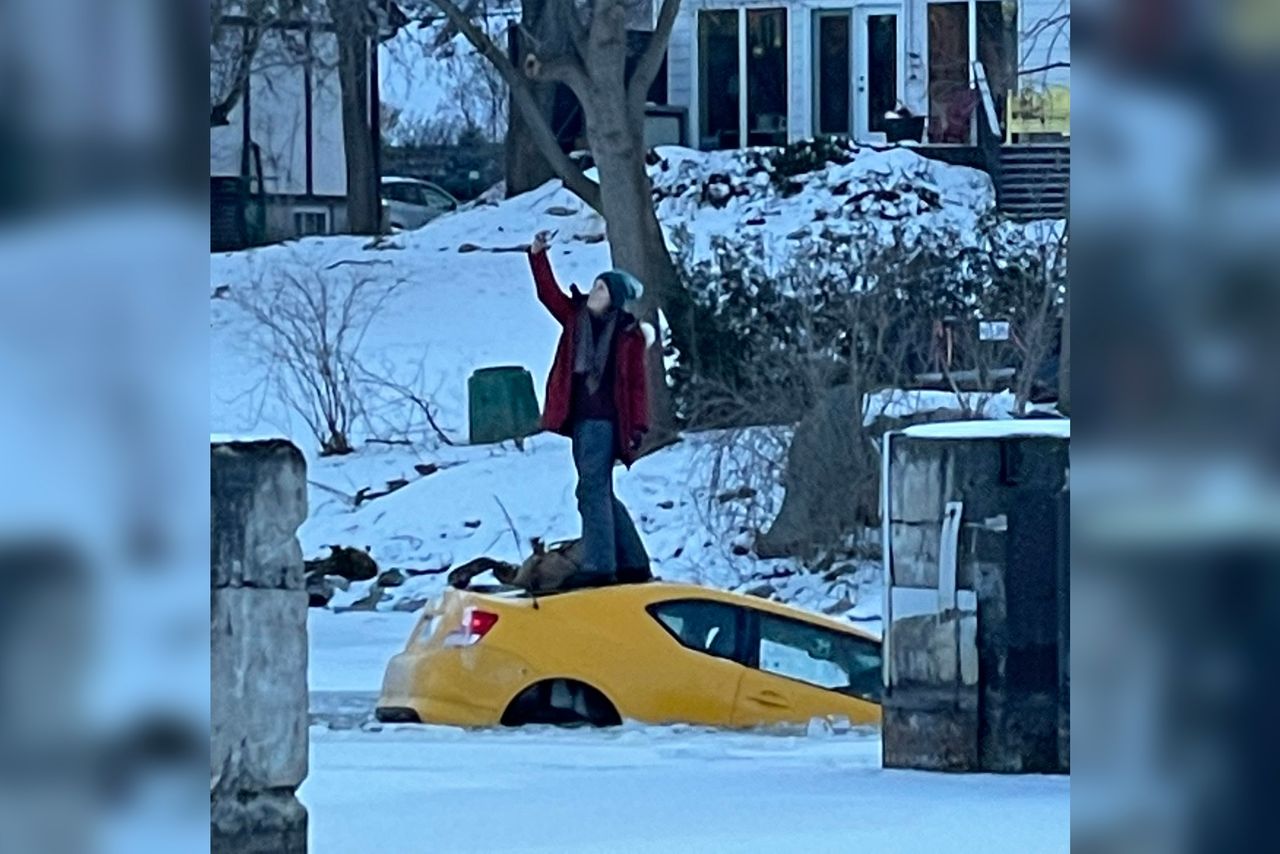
[893,193]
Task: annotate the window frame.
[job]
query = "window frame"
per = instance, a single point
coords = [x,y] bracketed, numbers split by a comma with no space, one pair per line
[311,210]
[741,627]
[753,652]
[743,70]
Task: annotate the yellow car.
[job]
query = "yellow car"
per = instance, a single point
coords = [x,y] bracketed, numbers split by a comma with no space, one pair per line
[652,652]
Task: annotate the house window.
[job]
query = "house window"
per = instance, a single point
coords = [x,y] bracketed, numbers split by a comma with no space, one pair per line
[312,221]
[736,45]
[766,76]
[834,45]
[881,34]
[953,47]
[718,80]
[822,657]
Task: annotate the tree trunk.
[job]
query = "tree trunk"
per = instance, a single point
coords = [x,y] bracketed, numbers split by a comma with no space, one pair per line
[527,169]
[635,237]
[364,209]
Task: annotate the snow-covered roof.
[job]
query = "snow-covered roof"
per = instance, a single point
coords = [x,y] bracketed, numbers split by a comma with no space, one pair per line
[1054,427]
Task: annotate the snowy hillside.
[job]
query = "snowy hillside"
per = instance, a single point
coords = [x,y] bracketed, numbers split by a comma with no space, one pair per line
[460,297]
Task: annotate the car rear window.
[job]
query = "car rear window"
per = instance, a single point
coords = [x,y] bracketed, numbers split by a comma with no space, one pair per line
[708,627]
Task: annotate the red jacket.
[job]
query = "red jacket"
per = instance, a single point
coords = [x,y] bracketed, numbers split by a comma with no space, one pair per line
[631,395]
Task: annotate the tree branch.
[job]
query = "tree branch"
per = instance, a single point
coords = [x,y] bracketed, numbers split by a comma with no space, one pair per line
[1052,65]
[650,61]
[573,177]
[560,69]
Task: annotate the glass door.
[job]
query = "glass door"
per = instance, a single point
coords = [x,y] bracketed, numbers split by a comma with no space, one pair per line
[766,76]
[718,97]
[877,65]
[833,71]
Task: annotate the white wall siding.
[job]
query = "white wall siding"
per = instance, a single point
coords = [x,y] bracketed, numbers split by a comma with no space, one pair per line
[277,119]
[224,146]
[329,163]
[680,68]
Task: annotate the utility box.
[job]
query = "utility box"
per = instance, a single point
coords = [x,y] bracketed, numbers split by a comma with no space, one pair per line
[501,404]
[976,518]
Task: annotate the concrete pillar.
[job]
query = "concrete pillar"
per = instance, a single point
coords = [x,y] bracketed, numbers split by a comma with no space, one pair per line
[258,750]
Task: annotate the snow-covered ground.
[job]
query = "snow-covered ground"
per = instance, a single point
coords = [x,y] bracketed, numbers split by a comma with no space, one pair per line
[658,789]
[460,300]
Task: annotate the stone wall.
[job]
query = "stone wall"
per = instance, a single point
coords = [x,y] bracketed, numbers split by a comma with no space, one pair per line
[258,749]
[978,605]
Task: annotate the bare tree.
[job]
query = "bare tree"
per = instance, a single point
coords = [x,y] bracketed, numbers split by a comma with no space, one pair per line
[308,325]
[474,92]
[1037,328]
[836,342]
[1045,41]
[408,409]
[590,58]
[239,46]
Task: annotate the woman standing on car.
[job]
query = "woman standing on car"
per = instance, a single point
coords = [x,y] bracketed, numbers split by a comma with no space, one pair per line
[596,396]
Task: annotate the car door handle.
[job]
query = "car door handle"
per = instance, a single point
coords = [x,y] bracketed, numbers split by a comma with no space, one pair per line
[771,698]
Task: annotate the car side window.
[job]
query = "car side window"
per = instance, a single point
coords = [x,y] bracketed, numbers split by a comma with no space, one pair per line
[701,625]
[437,200]
[394,192]
[823,657]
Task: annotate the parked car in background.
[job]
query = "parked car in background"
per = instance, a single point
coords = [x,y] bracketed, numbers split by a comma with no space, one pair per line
[412,203]
[652,652]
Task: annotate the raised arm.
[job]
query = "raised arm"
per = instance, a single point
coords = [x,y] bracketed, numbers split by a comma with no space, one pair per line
[549,292]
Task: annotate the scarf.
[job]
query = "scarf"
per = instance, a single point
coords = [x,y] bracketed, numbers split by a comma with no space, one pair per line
[591,352]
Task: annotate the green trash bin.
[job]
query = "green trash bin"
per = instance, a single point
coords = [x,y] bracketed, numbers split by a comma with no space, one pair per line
[501,404]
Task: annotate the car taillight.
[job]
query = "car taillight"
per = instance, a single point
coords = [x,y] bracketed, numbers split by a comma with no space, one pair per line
[475,625]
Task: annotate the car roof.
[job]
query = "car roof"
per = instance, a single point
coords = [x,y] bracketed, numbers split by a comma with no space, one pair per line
[399,179]
[654,592]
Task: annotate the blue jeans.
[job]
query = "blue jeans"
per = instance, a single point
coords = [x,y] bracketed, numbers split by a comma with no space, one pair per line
[609,537]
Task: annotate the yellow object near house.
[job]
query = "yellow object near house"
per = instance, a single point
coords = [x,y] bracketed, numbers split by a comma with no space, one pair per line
[1040,111]
[652,652]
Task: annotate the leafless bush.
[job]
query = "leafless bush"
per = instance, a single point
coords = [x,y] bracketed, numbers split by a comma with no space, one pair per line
[406,412]
[308,327]
[745,469]
[835,342]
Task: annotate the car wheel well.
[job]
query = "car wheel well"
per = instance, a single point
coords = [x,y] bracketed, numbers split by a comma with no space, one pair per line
[562,702]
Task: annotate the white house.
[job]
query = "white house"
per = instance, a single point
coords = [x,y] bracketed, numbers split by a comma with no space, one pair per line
[277,166]
[814,67]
